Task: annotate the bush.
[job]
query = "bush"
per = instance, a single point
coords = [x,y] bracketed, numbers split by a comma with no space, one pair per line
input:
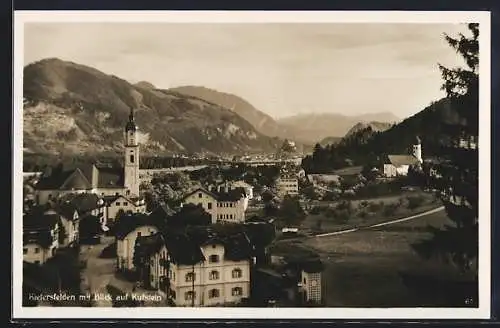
[315,210]
[375,207]
[342,217]
[330,213]
[414,201]
[390,209]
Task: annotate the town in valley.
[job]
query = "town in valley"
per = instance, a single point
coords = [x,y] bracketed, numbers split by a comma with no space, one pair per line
[137,196]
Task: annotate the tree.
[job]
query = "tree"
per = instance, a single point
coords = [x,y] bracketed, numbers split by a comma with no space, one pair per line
[458,242]
[291,210]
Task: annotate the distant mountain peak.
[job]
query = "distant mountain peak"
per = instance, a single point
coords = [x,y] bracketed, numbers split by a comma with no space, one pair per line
[74,108]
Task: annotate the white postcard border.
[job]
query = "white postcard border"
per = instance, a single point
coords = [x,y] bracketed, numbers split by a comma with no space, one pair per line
[482,17]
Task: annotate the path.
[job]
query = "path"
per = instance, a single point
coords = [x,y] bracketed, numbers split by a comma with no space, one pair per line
[98,272]
[441,208]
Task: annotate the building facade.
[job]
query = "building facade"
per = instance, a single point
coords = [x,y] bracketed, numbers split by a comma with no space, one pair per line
[224,205]
[40,237]
[399,165]
[215,278]
[287,185]
[117,205]
[125,245]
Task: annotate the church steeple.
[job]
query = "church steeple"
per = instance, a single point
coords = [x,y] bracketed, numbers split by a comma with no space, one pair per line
[131,122]
[131,174]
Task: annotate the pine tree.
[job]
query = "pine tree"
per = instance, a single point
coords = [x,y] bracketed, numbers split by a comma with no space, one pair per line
[457,243]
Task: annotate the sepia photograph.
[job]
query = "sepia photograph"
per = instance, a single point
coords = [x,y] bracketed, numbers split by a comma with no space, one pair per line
[320,165]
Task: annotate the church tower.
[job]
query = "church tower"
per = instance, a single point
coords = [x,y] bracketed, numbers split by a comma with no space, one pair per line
[131,163]
[417,150]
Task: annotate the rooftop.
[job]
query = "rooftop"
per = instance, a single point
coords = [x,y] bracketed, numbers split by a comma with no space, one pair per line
[399,160]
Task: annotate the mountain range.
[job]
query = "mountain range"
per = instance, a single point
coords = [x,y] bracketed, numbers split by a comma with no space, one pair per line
[317,127]
[72,108]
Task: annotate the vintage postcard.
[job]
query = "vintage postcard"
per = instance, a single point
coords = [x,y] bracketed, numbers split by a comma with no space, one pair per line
[280,165]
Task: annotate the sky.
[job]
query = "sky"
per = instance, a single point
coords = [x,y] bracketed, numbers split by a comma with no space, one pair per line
[281,69]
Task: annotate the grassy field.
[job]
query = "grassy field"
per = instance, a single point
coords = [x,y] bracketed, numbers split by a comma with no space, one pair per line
[374,211]
[362,268]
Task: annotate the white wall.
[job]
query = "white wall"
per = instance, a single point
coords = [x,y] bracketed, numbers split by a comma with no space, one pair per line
[311,283]
[125,247]
[202,282]
[125,205]
[233,212]
[71,228]
[287,186]
[30,253]
[206,201]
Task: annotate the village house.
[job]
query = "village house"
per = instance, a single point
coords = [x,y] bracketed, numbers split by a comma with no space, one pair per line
[237,184]
[70,223]
[100,179]
[127,229]
[224,205]
[287,184]
[207,268]
[86,204]
[310,277]
[40,236]
[118,205]
[399,165]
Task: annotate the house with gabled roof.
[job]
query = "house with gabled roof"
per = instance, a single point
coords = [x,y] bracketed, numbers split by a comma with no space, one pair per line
[127,230]
[202,266]
[40,235]
[399,165]
[70,223]
[224,205]
[117,205]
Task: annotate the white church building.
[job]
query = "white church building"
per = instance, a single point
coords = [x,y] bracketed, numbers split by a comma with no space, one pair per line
[398,165]
[95,178]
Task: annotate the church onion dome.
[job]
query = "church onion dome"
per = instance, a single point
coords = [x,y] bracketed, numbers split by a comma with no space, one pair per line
[130,126]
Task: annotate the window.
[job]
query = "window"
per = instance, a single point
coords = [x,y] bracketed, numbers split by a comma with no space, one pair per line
[213,259]
[231,216]
[200,195]
[209,206]
[131,158]
[214,275]
[125,203]
[37,250]
[213,293]
[138,233]
[25,251]
[237,291]
[237,273]
[304,281]
[190,276]
[189,296]
[118,203]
